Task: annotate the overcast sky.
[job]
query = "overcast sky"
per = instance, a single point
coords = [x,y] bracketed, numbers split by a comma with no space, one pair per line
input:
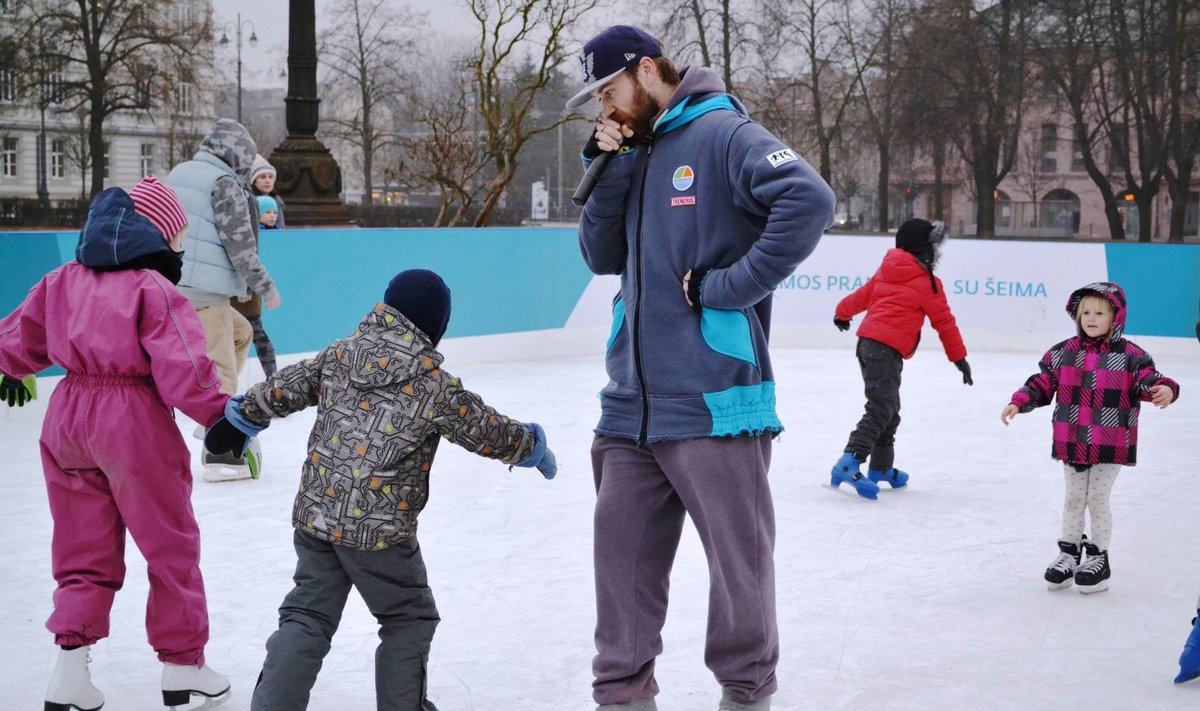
[261,65]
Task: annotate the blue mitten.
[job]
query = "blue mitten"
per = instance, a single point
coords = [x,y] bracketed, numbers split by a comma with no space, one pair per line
[541,456]
[233,413]
[233,432]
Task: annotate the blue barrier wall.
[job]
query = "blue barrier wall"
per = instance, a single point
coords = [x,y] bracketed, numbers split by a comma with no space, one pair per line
[525,279]
[501,280]
[1162,283]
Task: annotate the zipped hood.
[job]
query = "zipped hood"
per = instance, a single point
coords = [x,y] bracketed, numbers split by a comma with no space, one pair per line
[900,266]
[1109,291]
[384,357]
[115,234]
[231,142]
[700,90]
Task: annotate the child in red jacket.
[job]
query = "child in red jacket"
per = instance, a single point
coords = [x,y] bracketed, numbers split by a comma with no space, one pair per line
[897,299]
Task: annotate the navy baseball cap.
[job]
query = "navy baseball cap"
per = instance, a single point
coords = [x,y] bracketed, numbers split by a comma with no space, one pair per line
[608,54]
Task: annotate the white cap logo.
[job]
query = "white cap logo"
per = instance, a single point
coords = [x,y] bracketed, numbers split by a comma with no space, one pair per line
[585,63]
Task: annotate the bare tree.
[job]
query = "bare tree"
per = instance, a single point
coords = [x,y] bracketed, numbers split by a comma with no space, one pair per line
[110,53]
[1182,49]
[506,90]
[981,55]
[710,31]
[444,149]
[825,84]
[360,52]
[1028,172]
[1072,55]
[873,39]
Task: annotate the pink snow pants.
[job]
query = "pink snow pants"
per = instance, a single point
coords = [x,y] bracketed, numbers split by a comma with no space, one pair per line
[114,460]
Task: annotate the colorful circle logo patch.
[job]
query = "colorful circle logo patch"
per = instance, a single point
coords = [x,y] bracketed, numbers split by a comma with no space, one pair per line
[683,178]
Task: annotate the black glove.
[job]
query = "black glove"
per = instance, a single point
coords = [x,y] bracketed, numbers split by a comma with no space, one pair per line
[841,324]
[965,368]
[14,392]
[232,432]
[224,437]
[591,149]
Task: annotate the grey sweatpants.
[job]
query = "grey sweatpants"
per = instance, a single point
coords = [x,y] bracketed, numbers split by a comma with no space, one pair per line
[642,496]
[394,586]
[875,434]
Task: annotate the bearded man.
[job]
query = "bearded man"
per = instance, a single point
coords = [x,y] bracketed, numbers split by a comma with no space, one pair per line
[702,213]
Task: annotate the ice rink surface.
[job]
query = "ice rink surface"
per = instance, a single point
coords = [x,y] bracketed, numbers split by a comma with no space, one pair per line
[931,598]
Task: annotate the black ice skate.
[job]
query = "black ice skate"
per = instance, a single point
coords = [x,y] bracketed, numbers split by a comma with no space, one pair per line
[1062,571]
[1093,574]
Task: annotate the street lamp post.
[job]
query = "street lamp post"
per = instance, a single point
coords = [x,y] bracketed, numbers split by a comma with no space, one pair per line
[43,190]
[253,43]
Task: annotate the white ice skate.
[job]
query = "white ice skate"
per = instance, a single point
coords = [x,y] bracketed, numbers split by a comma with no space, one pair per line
[230,467]
[71,683]
[182,684]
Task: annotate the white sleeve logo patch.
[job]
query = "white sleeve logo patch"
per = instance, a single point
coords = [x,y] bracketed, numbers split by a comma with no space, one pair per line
[778,158]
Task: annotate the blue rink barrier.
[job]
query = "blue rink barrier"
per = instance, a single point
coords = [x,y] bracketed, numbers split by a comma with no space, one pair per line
[507,280]
[502,280]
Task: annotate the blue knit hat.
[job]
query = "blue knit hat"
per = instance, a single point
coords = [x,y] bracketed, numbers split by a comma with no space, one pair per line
[423,298]
[266,203]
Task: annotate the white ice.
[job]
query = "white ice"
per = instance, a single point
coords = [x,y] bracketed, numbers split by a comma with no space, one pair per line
[931,598]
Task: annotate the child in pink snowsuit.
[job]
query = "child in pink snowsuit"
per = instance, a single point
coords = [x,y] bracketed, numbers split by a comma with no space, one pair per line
[114,460]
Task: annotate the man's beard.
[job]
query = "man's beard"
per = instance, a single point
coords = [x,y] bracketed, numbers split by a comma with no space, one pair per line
[640,118]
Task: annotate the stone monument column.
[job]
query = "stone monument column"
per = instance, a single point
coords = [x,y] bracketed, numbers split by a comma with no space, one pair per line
[307,176]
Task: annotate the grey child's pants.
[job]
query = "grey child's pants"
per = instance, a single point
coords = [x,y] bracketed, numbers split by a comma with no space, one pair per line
[393,584]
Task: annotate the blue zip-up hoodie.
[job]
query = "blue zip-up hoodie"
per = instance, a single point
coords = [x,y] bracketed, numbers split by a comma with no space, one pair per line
[710,191]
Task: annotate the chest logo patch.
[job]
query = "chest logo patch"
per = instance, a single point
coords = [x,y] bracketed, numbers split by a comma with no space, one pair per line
[683,178]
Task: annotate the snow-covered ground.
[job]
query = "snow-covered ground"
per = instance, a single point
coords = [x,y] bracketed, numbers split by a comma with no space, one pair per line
[931,598]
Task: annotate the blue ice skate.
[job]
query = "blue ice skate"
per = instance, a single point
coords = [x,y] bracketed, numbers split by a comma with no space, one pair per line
[1189,661]
[894,477]
[846,471]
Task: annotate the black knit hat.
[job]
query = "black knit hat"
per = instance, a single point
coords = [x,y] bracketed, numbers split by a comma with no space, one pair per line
[913,236]
[423,298]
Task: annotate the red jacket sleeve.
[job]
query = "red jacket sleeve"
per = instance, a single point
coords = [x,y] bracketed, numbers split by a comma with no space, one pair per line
[938,310]
[856,302]
[23,349]
[170,332]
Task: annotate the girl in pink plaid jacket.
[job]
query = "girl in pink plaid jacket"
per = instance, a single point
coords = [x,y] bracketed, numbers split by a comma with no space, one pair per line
[1099,380]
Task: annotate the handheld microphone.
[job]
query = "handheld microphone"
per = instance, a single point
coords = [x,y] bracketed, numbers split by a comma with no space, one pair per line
[588,182]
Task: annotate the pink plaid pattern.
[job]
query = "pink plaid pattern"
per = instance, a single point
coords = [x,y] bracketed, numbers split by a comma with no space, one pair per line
[1098,387]
[156,201]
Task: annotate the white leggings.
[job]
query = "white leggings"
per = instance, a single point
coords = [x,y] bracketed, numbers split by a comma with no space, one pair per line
[1089,491]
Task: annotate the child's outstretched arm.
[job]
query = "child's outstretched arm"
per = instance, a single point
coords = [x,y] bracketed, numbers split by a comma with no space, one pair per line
[1152,385]
[465,419]
[23,336]
[1038,390]
[171,334]
[855,303]
[289,390]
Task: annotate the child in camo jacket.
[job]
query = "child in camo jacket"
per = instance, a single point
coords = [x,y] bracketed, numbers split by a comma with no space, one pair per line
[383,405]
[1099,380]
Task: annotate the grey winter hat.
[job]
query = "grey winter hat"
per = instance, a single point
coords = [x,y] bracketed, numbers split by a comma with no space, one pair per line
[608,54]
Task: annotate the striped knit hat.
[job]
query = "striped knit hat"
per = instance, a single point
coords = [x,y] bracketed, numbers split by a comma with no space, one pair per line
[156,201]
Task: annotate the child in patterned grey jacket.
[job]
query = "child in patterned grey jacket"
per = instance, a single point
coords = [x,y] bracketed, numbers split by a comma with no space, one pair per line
[383,405]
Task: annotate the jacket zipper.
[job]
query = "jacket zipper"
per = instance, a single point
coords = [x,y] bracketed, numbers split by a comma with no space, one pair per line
[637,312]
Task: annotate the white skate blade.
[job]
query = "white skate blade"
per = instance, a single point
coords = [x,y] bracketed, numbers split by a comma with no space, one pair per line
[199,701]
[1060,586]
[849,492]
[225,472]
[1089,589]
